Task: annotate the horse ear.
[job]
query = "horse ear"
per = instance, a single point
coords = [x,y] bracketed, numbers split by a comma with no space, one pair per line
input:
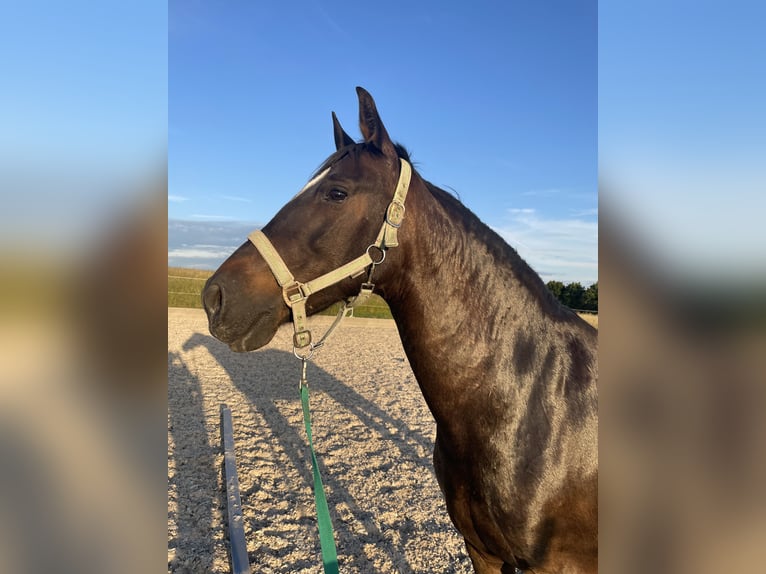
[372,127]
[342,139]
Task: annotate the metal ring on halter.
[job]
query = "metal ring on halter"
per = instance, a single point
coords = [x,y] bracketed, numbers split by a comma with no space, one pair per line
[382,254]
[308,355]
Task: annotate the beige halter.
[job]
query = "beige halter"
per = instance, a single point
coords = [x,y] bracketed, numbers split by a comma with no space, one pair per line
[296,293]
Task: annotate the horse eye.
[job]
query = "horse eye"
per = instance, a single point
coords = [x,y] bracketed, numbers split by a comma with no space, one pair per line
[336,195]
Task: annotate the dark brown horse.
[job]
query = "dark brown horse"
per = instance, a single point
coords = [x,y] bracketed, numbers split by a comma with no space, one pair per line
[508,373]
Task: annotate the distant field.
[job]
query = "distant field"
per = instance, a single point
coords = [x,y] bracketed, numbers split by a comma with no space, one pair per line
[185,287]
[374,308]
[185,290]
[590,318]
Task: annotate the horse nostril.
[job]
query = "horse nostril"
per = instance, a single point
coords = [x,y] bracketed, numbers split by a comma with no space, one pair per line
[212,299]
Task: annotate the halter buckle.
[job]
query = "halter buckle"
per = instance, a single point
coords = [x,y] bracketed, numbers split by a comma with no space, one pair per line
[293,293]
[395,213]
[302,339]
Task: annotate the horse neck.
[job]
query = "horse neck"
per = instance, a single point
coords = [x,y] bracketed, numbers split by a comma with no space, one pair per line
[458,294]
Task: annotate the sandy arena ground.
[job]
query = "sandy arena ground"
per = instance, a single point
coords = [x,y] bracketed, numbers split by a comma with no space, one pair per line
[373,435]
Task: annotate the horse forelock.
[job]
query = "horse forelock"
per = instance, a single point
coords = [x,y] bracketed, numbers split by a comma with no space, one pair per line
[333,159]
[356,150]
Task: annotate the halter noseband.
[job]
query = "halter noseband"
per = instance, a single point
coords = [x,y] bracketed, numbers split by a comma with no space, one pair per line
[296,293]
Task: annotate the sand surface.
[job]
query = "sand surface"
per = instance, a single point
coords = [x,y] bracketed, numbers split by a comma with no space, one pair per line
[372,431]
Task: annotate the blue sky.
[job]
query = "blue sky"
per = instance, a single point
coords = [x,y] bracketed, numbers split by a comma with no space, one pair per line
[83,81]
[83,118]
[682,132]
[497,101]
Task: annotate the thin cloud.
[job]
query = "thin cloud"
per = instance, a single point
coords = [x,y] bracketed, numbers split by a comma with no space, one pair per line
[210,217]
[332,22]
[584,212]
[542,192]
[558,192]
[204,244]
[200,252]
[562,249]
[236,198]
[177,198]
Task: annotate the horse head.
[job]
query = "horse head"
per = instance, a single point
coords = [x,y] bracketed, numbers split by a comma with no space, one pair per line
[333,220]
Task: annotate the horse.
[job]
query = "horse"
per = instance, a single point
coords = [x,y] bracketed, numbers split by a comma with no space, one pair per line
[509,374]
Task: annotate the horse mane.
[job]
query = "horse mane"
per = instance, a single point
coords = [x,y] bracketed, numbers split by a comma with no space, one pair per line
[497,246]
[500,249]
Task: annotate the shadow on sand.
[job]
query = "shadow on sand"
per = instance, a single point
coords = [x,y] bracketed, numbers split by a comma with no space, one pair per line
[266,378]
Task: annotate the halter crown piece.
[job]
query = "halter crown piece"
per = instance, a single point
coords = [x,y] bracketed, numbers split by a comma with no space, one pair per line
[296,293]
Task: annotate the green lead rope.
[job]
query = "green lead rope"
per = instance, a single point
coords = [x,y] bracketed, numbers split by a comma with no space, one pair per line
[326,539]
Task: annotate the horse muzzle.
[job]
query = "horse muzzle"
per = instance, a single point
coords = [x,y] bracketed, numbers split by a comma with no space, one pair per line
[245,321]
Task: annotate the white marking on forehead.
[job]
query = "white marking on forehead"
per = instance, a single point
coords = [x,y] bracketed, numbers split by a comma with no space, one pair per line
[313,181]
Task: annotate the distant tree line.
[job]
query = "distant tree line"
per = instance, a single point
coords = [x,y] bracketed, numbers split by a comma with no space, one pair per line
[575,296]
